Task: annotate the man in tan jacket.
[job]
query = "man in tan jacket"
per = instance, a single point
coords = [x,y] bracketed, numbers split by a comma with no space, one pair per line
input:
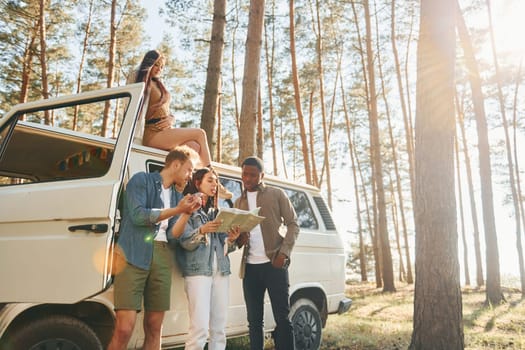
[266,255]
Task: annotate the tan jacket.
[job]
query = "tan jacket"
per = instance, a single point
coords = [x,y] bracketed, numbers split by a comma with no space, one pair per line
[277,210]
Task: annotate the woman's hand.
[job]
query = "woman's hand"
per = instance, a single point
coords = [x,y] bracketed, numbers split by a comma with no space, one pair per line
[164,123]
[210,226]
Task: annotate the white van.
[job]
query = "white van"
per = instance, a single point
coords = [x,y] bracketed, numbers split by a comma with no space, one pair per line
[59,198]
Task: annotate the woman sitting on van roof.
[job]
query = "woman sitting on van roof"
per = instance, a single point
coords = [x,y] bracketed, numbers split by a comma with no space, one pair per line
[158,130]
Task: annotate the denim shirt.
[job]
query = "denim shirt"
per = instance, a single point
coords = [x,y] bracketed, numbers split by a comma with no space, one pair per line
[195,253]
[142,205]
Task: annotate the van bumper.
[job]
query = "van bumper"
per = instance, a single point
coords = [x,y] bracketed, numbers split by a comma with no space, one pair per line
[344,305]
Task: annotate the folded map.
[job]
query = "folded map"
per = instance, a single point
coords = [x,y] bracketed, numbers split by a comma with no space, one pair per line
[245,219]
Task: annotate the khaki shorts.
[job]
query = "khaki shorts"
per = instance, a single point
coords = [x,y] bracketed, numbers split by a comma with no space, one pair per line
[154,284]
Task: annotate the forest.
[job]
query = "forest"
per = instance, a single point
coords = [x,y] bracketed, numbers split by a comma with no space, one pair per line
[405,113]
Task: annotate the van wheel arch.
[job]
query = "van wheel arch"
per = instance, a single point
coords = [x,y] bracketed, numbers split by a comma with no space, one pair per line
[307,324]
[98,317]
[56,331]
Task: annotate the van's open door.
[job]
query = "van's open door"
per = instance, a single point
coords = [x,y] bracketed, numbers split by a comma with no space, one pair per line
[59,189]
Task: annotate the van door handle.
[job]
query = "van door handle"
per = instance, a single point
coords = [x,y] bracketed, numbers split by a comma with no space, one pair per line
[96,228]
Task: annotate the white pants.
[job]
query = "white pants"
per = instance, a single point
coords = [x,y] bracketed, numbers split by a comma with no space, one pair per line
[207,306]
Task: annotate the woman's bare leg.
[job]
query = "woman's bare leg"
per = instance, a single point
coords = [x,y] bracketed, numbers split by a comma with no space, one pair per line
[168,139]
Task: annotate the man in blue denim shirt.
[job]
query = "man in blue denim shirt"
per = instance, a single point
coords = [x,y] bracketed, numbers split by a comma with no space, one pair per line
[151,206]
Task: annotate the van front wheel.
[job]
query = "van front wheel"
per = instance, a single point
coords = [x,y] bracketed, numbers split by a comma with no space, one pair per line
[307,326]
[55,332]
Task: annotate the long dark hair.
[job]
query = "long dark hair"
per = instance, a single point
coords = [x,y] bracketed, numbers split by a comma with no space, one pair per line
[144,75]
[196,179]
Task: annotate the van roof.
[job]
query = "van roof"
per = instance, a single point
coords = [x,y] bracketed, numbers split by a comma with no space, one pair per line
[234,171]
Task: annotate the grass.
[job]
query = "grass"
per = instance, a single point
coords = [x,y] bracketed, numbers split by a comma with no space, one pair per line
[378,321]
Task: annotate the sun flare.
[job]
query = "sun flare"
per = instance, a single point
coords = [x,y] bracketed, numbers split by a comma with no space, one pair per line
[509,26]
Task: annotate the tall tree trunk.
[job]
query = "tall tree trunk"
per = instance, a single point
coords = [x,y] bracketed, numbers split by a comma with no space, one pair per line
[510,163]
[320,72]
[362,251]
[375,152]
[518,181]
[87,32]
[111,62]
[283,153]
[315,178]
[27,62]
[437,300]
[259,139]
[234,78]
[218,157]
[372,221]
[393,147]
[270,57]
[409,141]
[250,81]
[461,211]
[480,280]
[369,221]
[493,290]
[43,60]
[297,97]
[409,121]
[212,88]
[395,223]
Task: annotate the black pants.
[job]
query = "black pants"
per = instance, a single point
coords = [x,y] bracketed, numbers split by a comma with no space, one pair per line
[257,279]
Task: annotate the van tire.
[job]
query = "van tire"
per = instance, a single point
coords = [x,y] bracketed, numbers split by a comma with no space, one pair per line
[54,332]
[307,325]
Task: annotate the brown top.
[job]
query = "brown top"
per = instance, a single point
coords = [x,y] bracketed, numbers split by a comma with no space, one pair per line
[155,94]
[159,112]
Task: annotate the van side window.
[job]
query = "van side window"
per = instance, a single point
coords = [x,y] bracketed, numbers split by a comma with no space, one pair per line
[305,215]
[325,213]
[30,151]
[232,185]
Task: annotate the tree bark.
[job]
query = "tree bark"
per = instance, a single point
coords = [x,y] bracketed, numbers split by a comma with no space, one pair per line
[375,154]
[320,72]
[270,57]
[212,89]
[496,296]
[518,181]
[87,32]
[409,143]
[250,82]
[297,97]
[437,299]
[480,279]
[371,220]
[362,250]
[111,63]
[493,288]
[43,60]
[27,62]
[398,188]
[461,211]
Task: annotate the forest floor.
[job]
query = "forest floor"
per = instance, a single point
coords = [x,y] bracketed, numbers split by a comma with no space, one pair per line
[383,321]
